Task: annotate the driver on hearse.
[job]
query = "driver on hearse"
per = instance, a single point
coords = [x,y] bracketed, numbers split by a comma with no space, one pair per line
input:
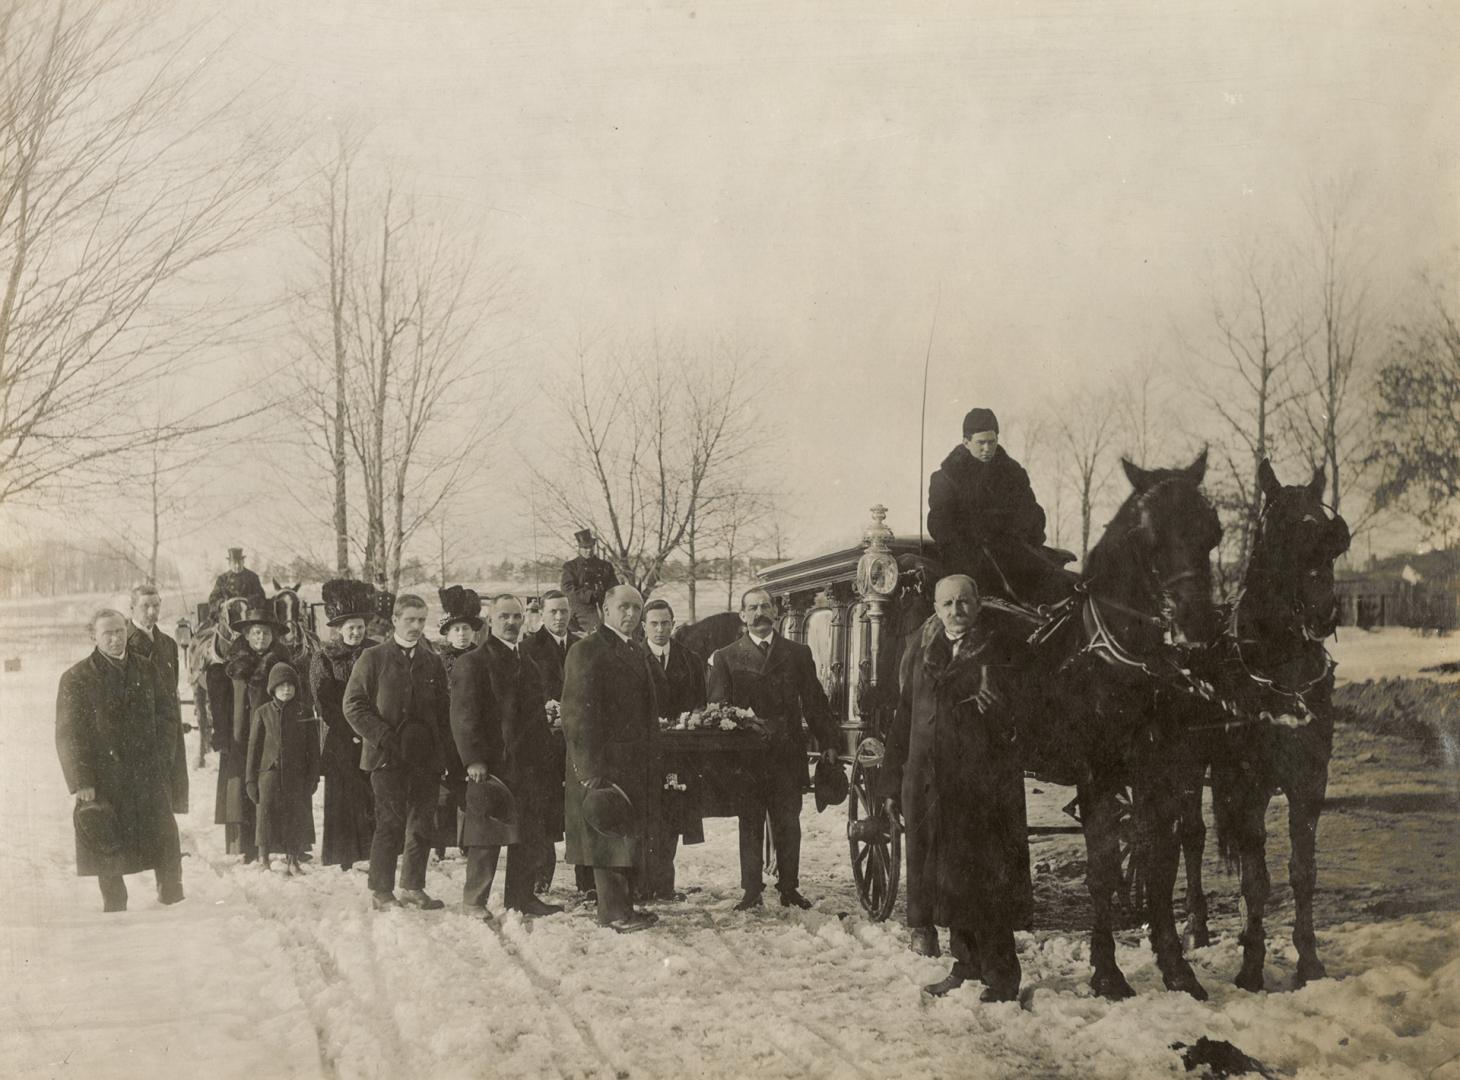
[987,523]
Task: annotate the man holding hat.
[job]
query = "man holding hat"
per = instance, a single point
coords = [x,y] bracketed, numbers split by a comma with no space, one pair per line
[115,736]
[501,731]
[237,580]
[610,719]
[585,581]
[983,515]
[461,622]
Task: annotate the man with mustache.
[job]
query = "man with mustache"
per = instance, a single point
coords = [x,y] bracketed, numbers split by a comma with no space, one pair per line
[776,678]
[952,767]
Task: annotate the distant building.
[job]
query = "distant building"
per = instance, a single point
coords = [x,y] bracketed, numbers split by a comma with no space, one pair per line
[1421,591]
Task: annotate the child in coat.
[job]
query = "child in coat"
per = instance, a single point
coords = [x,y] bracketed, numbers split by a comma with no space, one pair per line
[283,770]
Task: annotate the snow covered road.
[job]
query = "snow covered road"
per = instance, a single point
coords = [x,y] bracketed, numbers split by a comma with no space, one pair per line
[258,975]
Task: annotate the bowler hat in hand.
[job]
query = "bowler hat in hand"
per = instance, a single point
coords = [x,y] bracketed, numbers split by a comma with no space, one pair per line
[497,803]
[608,811]
[96,823]
[830,783]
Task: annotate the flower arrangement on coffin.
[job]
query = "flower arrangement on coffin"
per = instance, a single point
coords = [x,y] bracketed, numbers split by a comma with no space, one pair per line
[554,715]
[717,717]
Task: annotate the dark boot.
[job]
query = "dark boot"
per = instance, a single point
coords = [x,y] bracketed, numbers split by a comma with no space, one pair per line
[946,985]
[113,893]
[751,899]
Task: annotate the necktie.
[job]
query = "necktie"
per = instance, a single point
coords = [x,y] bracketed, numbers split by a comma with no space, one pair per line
[764,647]
[664,659]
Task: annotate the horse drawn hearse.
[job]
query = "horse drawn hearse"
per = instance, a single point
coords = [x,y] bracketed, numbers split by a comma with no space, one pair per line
[1142,683]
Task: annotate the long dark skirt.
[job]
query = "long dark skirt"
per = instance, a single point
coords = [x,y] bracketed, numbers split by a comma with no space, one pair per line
[232,807]
[349,815]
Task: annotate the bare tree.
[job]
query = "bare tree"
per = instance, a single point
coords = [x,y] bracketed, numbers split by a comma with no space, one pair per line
[112,207]
[398,387]
[653,429]
[1087,434]
[1336,351]
[1249,354]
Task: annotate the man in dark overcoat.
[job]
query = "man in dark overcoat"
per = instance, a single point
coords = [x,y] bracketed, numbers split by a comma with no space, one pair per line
[398,703]
[679,687]
[237,580]
[776,678]
[115,737]
[145,638]
[611,721]
[983,514]
[585,581]
[496,701]
[952,769]
[547,648]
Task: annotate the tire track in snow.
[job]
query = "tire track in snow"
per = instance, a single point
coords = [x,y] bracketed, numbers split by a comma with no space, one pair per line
[738,962]
[310,946]
[546,991]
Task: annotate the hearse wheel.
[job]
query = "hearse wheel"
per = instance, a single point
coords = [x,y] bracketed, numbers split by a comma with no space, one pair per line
[875,840]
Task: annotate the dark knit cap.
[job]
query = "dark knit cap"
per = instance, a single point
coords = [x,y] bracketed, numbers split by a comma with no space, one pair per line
[282,673]
[979,420]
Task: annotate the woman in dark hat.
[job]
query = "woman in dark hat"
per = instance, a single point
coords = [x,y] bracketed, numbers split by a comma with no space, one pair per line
[461,621]
[237,686]
[349,820]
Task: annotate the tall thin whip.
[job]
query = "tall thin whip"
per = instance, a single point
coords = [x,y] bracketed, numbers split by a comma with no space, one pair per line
[923,419]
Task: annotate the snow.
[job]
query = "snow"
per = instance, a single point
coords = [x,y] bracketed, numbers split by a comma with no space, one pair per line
[260,975]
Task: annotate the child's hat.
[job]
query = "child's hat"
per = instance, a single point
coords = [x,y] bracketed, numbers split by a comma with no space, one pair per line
[282,673]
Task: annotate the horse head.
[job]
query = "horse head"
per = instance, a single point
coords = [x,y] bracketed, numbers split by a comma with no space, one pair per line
[1290,574]
[1154,562]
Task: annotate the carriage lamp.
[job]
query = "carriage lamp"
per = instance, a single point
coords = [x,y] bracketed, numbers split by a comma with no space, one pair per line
[877,569]
[184,633]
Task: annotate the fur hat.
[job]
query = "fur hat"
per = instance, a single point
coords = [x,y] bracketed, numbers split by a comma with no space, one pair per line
[282,673]
[460,605]
[257,616]
[979,420]
[346,599]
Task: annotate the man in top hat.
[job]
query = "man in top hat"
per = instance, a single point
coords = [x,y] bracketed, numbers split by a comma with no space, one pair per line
[501,729]
[987,523]
[679,687]
[237,580]
[585,581]
[146,638]
[610,719]
[116,738]
[776,678]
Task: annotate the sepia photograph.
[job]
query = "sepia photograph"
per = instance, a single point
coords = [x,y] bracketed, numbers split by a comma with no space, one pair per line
[681,541]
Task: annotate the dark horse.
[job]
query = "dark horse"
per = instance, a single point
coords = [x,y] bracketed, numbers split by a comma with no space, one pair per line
[1145,598]
[1101,663]
[1276,733]
[712,632]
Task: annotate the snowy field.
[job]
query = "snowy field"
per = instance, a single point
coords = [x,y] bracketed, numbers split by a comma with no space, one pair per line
[260,976]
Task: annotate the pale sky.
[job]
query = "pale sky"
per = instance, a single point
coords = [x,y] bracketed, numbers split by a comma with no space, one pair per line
[811,176]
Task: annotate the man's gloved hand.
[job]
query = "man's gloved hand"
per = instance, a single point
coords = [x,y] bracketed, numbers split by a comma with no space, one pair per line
[476,772]
[219,741]
[986,697]
[892,807]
